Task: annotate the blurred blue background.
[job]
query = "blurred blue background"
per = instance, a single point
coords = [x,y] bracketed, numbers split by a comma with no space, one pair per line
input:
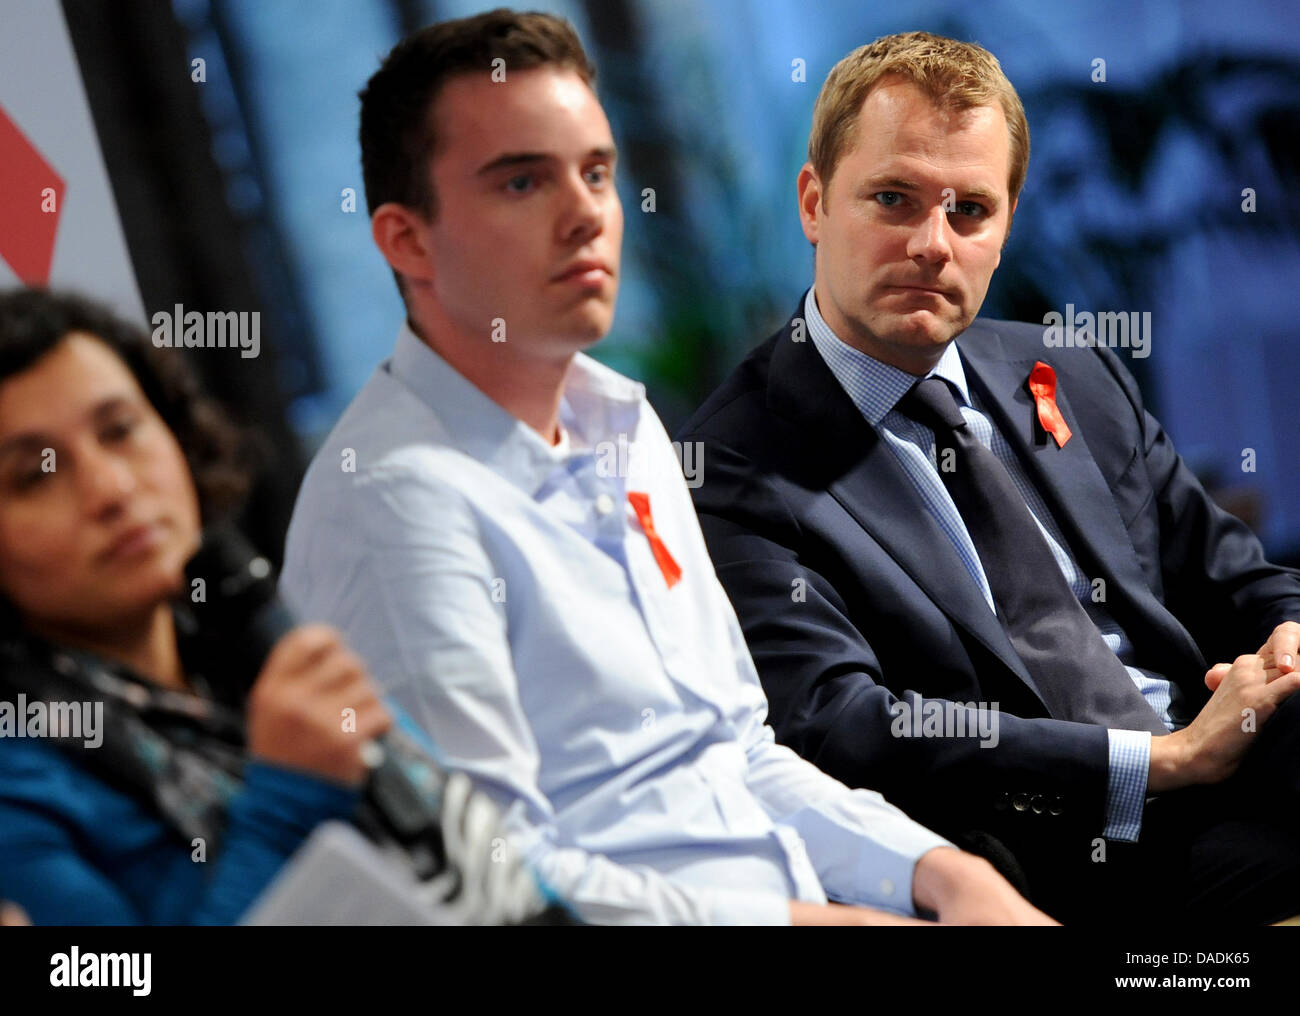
[1133,200]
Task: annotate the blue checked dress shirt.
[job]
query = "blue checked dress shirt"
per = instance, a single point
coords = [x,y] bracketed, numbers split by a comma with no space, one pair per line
[875,389]
[504,594]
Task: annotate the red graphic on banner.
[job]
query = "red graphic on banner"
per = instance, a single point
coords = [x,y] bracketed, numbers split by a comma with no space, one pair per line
[29,216]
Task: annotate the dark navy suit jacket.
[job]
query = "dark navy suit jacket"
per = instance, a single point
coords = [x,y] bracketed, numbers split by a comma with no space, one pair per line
[797,485]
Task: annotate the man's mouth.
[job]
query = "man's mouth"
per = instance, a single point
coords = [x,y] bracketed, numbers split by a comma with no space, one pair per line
[584,273]
[937,291]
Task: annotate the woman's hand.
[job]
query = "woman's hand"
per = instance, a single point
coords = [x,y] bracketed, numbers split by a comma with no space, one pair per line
[313,707]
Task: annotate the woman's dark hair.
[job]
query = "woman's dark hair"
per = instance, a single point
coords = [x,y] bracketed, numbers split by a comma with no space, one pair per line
[34,321]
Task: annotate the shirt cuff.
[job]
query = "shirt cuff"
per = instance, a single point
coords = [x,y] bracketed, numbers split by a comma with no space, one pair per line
[885,876]
[1126,785]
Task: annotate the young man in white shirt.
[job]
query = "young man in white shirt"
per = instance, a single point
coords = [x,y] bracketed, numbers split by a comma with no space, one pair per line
[500,526]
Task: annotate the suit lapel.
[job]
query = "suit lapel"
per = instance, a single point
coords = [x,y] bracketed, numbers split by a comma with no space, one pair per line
[846,457]
[1069,478]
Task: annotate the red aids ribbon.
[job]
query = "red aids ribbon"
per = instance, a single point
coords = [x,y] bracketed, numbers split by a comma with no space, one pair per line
[641,505]
[1042,385]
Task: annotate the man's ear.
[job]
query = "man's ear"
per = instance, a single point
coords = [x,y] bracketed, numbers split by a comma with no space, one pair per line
[811,210]
[402,237]
[1011,215]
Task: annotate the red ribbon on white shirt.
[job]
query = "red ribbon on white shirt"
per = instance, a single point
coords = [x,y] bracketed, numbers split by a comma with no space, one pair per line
[641,505]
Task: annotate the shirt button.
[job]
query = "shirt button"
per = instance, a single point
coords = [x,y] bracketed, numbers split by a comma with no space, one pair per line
[886,887]
[604,504]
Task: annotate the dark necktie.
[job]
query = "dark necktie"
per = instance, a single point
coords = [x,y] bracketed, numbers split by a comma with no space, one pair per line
[1077,675]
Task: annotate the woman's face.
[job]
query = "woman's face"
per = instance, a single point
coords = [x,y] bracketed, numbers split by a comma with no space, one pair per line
[98,511]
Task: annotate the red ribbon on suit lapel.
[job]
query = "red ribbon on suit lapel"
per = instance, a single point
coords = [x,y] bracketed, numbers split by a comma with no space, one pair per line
[1042,385]
[641,505]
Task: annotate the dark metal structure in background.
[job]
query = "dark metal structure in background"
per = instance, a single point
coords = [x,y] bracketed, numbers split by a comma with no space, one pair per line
[187,245]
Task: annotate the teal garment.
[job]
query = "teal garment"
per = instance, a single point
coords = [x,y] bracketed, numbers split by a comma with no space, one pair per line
[75,850]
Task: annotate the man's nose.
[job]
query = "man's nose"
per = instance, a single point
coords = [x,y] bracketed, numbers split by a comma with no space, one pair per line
[931,241]
[584,212]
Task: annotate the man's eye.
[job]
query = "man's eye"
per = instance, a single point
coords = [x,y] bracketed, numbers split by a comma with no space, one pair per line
[598,174]
[889,198]
[520,184]
[971,208]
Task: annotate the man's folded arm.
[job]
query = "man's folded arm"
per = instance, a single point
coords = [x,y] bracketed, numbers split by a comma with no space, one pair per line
[863,849]
[827,694]
[418,607]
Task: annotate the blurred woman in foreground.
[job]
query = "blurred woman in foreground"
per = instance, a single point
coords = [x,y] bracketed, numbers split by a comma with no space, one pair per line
[204,777]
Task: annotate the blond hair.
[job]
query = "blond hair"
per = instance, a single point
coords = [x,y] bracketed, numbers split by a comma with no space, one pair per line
[955,75]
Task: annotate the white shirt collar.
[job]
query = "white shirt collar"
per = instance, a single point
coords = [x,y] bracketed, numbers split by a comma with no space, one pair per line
[598,404]
[877,386]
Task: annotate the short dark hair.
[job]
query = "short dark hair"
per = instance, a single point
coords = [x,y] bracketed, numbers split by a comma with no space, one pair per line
[34,321]
[398,135]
